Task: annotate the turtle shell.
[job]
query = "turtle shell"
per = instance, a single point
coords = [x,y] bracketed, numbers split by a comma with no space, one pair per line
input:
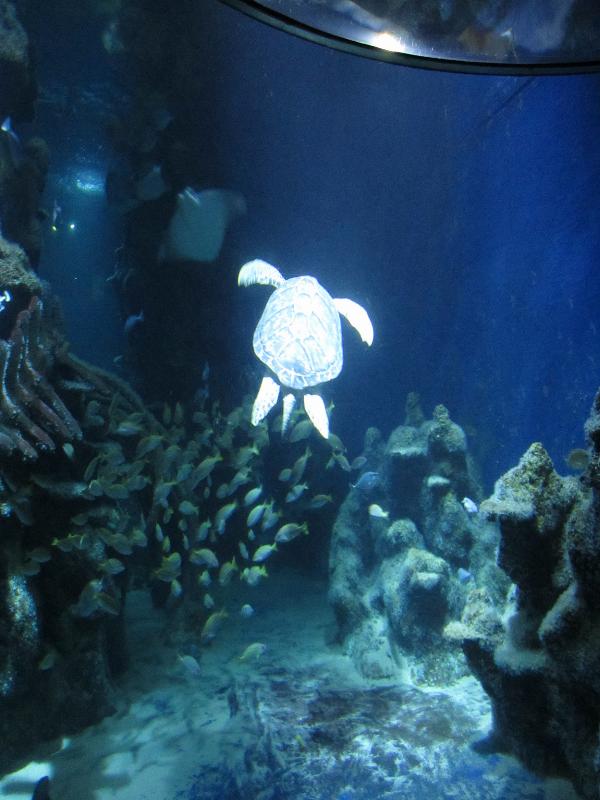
[299,334]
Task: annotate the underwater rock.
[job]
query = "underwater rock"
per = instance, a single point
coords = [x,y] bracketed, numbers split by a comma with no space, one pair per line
[395,583]
[415,597]
[17,87]
[32,414]
[541,668]
[20,633]
[15,273]
[21,189]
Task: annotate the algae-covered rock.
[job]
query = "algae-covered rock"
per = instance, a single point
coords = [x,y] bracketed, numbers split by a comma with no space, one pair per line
[415,597]
[397,537]
[17,87]
[15,272]
[541,668]
[445,438]
[532,503]
[406,574]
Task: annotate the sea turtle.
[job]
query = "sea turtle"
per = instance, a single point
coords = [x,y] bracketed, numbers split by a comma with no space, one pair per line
[299,338]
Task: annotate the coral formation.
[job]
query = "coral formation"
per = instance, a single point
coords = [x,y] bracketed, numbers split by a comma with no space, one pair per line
[17,88]
[21,187]
[541,666]
[400,574]
[31,412]
[32,415]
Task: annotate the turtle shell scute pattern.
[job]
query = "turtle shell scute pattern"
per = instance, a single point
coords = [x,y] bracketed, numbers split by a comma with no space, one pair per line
[299,334]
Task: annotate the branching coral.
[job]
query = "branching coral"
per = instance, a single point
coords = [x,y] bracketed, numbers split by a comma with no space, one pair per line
[32,415]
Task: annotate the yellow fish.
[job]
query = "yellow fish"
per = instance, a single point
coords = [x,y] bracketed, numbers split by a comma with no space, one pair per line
[212,625]
[378,512]
[253,651]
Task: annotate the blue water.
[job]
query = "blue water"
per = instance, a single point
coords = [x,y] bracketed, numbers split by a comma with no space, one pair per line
[462,211]
[464,220]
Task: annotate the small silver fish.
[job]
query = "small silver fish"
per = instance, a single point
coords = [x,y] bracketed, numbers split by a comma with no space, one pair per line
[367,482]
[132,322]
[184,472]
[300,466]
[203,530]
[68,450]
[263,552]
[469,505]
[296,492]
[301,430]
[191,664]
[202,556]
[241,477]
[290,531]
[128,428]
[319,500]
[463,575]
[226,571]
[187,508]
[377,511]
[222,491]
[255,514]
[252,495]
[204,578]
[208,601]
[270,518]
[253,651]
[253,575]
[223,515]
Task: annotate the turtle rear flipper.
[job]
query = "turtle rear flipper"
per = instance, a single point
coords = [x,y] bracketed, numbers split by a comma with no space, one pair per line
[289,401]
[317,413]
[265,399]
[356,316]
[259,271]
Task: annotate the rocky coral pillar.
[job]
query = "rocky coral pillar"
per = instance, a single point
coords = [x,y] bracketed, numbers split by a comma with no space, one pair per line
[542,668]
[404,550]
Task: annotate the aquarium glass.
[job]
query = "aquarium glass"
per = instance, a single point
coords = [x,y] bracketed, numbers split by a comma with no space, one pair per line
[299,411]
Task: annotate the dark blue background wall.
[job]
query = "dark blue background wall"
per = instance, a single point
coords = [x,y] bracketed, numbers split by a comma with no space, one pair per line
[462,211]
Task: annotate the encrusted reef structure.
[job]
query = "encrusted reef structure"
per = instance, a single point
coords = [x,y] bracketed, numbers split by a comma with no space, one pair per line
[33,418]
[405,551]
[538,658]
[17,85]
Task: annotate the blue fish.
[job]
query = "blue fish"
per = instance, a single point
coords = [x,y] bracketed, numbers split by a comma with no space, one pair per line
[367,482]
[463,575]
[132,321]
[14,145]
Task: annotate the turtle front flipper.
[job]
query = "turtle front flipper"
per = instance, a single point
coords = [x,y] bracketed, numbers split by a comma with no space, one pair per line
[317,413]
[259,271]
[265,399]
[356,316]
